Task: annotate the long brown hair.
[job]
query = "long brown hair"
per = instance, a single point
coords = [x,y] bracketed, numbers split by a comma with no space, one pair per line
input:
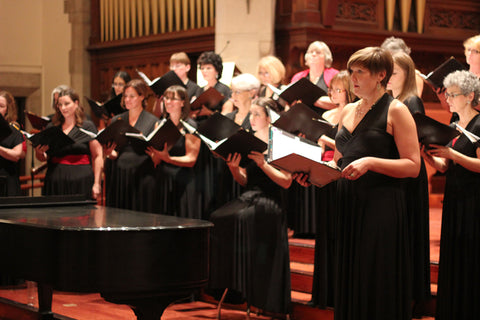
[11,115]
[58,118]
[409,85]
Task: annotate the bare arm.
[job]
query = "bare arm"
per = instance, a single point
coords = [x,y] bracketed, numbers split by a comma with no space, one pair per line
[446,153]
[97,165]
[280,177]
[192,148]
[14,154]
[401,125]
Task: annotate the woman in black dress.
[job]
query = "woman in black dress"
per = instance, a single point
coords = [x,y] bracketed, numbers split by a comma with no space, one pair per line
[130,181]
[319,204]
[76,168]
[175,175]
[249,254]
[11,148]
[376,147]
[458,279]
[403,86]
[211,67]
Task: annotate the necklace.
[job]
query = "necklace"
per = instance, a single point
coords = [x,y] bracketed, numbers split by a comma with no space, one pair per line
[360,111]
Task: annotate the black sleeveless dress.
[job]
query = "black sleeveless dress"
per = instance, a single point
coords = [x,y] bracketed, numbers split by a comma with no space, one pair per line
[9,174]
[176,190]
[418,221]
[324,264]
[249,251]
[373,280]
[64,178]
[130,180]
[458,276]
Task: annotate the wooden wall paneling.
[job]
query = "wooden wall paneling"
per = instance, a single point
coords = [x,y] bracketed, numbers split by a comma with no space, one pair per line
[446,18]
[150,54]
[329,11]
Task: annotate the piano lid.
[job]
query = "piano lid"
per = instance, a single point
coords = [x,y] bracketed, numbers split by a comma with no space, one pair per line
[95,218]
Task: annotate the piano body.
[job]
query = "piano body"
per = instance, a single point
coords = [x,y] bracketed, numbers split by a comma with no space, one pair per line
[143,260]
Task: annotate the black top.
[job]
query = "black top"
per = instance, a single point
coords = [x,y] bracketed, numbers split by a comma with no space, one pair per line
[81,145]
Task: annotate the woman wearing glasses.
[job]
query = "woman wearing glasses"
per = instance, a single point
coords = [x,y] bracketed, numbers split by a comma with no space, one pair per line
[175,175]
[472,53]
[319,60]
[458,279]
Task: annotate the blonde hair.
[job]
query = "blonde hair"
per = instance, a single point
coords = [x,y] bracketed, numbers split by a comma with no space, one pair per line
[180,57]
[472,42]
[274,67]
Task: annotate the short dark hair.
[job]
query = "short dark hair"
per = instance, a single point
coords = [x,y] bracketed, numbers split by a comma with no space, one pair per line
[210,57]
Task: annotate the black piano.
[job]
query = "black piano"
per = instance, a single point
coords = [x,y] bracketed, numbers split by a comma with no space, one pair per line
[70,244]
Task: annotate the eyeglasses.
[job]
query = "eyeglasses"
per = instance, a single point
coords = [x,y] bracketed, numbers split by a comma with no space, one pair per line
[121,85]
[452,95]
[171,99]
[473,51]
[238,91]
[336,90]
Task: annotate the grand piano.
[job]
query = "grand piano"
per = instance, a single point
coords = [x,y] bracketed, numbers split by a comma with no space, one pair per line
[146,261]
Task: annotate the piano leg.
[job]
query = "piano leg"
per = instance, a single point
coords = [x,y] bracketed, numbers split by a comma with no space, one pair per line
[45,293]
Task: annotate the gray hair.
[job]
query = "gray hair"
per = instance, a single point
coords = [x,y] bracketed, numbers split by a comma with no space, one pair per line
[58,89]
[320,45]
[245,82]
[466,81]
[395,45]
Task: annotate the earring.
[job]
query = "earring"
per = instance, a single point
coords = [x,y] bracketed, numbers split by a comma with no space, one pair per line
[378,86]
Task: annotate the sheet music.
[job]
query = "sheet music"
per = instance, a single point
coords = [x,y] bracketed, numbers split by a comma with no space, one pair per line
[472,137]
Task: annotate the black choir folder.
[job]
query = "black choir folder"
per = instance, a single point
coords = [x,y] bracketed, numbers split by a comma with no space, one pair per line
[431,131]
[223,137]
[52,136]
[435,78]
[115,132]
[108,109]
[295,154]
[209,98]
[122,133]
[159,85]
[5,129]
[37,122]
[302,119]
[165,133]
[302,89]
